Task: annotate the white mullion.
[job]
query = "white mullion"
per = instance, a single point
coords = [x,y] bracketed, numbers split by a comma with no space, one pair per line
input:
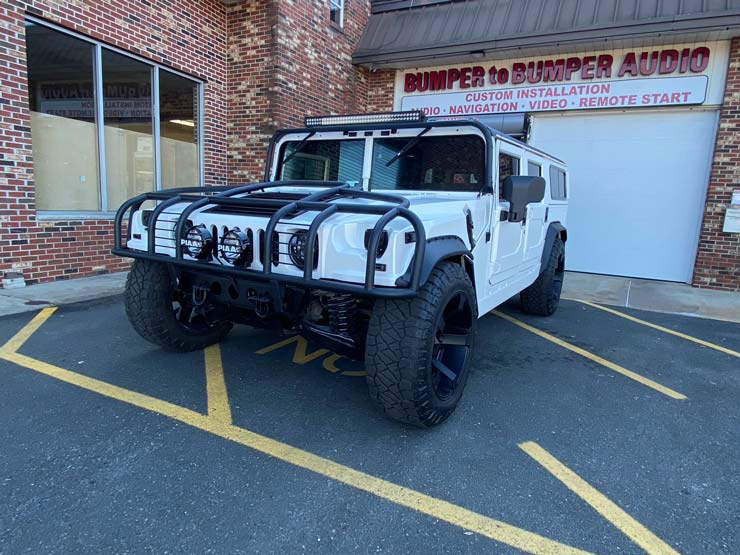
[98,102]
[156,130]
[201,129]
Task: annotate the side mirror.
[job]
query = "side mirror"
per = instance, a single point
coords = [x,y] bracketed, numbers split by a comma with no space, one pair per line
[520,190]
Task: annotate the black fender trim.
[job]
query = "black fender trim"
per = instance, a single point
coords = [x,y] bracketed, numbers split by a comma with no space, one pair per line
[554,230]
[438,249]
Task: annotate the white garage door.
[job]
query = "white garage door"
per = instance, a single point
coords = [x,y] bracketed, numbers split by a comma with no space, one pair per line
[638,182]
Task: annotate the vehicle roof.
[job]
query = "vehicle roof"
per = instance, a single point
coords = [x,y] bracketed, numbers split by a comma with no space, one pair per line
[431,122]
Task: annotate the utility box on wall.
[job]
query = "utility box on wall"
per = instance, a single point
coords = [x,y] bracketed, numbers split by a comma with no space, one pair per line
[732,216]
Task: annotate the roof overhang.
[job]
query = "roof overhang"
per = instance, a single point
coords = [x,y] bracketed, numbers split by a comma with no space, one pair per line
[376,53]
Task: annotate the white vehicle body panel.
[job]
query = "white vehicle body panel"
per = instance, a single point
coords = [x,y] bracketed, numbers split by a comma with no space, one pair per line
[506,256]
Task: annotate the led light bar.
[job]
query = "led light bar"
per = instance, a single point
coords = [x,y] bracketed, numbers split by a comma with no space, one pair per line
[411,116]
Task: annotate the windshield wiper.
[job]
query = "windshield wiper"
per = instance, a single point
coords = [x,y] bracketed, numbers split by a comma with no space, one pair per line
[298,148]
[407,147]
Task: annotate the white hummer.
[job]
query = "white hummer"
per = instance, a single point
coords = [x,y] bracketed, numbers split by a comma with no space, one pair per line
[382,237]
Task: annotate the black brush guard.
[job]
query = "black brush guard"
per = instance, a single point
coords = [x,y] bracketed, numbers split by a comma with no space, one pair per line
[206,197]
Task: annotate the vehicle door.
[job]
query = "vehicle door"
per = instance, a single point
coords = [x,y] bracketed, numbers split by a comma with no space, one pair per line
[508,244]
[536,225]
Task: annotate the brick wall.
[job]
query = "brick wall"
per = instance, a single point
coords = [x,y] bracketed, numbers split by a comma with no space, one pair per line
[718,259]
[381,86]
[188,35]
[286,60]
[250,57]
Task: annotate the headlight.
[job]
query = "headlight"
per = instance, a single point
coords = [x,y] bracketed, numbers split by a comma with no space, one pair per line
[196,241]
[237,247]
[297,249]
[382,245]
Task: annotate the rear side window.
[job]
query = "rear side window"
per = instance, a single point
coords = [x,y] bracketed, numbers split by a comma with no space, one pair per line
[558,186]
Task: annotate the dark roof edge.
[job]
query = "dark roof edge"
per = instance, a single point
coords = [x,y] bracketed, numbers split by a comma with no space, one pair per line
[639,30]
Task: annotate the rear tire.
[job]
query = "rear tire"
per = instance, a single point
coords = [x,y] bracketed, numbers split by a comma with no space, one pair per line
[543,296]
[419,350]
[160,316]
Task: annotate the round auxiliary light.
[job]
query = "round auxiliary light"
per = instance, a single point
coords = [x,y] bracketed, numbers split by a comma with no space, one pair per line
[297,249]
[236,246]
[196,241]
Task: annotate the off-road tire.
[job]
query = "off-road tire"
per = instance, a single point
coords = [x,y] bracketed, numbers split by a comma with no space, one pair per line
[401,343]
[543,296]
[148,299]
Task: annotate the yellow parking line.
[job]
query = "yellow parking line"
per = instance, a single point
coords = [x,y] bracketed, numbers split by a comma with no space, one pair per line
[218,397]
[17,341]
[635,531]
[584,353]
[665,330]
[497,530]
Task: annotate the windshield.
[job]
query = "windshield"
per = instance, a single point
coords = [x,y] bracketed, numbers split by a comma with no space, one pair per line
[415,163]
[446,163]
[320,160]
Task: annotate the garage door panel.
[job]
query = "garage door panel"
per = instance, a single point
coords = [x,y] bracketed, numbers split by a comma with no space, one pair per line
[637,185]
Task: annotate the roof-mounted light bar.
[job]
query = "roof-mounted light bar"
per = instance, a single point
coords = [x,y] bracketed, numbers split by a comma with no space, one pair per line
[410,116]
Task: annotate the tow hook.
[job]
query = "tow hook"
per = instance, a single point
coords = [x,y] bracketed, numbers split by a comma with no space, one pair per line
[199,295]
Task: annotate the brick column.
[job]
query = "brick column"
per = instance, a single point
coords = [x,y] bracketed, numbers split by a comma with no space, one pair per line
[718,259]
[381,87]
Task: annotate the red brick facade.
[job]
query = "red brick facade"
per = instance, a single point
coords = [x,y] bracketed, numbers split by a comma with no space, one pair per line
[380,85]
[286,60]
[265,64]
[718,260]
[188,35]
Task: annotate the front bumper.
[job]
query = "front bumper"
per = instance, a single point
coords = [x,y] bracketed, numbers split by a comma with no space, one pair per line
[201,198]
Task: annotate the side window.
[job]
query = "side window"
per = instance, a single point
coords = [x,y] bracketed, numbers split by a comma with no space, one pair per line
[558,189]
[534,170]
[507,165]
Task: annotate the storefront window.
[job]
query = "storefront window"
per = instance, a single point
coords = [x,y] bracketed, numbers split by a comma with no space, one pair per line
[61,93]
[70,144]
[129,140]
[178,109]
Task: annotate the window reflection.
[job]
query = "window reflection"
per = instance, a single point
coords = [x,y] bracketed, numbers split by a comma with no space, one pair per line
[63,132]
[178,127]
[129,140]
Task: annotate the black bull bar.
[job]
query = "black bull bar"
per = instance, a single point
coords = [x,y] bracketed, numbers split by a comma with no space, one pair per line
[325,202]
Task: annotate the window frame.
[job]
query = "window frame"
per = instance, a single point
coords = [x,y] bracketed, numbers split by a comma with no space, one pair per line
[505,150]
[555,192]
[104,212]
[339,4]
[537,165]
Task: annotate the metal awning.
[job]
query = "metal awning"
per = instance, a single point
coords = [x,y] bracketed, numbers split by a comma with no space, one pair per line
[444,32]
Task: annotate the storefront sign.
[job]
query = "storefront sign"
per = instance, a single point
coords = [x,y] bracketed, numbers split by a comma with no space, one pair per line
[586,68]
[675,75]
[669,91]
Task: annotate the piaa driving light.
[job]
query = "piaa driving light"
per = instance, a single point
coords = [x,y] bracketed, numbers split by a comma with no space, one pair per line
[196,241]
[237,247]
[297,249]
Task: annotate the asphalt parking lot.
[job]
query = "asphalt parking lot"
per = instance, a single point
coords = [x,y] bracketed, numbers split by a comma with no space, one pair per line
[583,432]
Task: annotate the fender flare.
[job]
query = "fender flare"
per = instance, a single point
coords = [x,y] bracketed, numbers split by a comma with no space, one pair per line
[437,250]
[555,229]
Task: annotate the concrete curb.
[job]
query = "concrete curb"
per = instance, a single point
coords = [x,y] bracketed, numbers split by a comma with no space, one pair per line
[34,297]
[655,296]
